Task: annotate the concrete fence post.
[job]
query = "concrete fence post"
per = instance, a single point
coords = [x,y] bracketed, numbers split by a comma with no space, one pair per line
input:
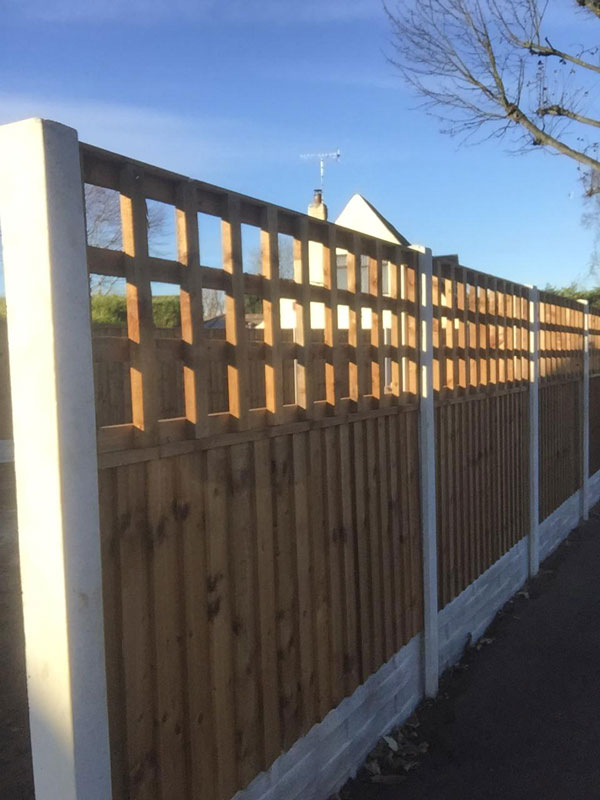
[427,473]
[534,431]
[585,414]
[43,232]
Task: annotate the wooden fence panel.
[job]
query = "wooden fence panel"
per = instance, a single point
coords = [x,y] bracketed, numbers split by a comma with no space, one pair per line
[259,486]
[215,576]
[561,372]
[560,444]
[481,395]
[482,467]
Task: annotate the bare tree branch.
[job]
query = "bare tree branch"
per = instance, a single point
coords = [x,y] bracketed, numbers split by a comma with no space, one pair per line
[547,50]
[482,63]
[590,5]
[103,228]
[559,111]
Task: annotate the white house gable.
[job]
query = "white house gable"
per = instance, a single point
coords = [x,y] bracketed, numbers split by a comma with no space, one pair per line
[359,215]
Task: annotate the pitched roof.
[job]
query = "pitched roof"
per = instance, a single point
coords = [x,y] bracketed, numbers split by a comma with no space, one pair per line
[360,215]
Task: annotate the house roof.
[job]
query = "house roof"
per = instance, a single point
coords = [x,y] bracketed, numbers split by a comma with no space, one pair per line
[360,215]
[252,321]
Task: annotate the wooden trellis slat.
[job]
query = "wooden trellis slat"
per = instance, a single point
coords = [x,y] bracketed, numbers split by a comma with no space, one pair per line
[140,323]
[192,316]
[272,316]
[377,357]
[235,314]
[333,365]
[395,291]
[357,367]
[304,376]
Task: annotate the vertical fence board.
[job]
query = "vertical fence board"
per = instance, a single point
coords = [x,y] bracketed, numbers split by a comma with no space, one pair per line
[168,638]
[248,735]
[220,612]
[320,580]
[384,527]
[287,615]
[137,630]
[190,507]
[267,601]
[348,544]
[363,553]
[334,517]
[374,540]
[303,562]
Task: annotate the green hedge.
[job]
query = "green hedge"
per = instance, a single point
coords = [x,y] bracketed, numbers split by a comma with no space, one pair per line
[577,292]
[111,309]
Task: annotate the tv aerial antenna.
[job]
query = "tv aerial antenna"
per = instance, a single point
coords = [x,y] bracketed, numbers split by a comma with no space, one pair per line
[322,158]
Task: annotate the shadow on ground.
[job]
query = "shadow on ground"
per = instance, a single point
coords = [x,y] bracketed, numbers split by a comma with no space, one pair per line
[519,717]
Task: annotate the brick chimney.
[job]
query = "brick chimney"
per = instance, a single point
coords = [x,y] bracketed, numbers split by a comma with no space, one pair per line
[318,208]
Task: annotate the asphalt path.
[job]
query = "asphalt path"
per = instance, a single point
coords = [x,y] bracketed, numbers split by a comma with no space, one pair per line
[520,717]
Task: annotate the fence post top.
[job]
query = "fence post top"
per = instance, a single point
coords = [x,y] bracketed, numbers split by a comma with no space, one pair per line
[33,123]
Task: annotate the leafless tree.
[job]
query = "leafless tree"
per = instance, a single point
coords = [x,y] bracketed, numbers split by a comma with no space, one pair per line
[591,220]
[286,257]
[493,67]
[103,227]
[213,303]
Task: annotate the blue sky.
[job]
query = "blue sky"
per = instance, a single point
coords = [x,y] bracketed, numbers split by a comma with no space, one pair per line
[232,92]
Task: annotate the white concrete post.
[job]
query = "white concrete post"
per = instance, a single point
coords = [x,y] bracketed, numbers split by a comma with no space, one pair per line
[585,414]
[43,232]
[427,473]
[534,432]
